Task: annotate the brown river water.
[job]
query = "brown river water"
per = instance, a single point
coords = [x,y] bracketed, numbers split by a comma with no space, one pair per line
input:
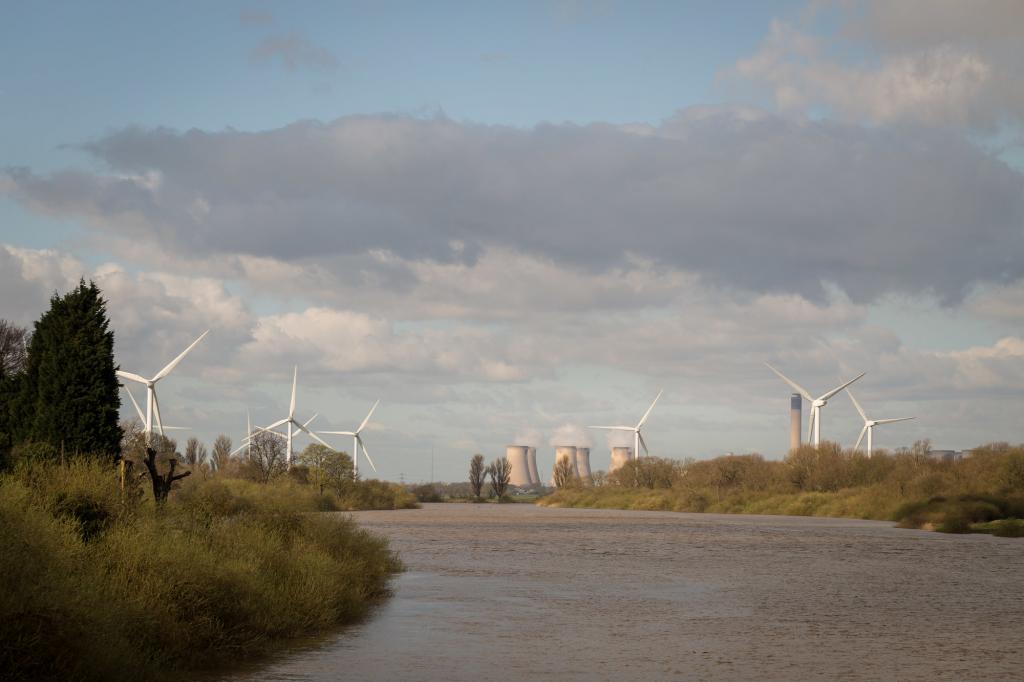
[505,592]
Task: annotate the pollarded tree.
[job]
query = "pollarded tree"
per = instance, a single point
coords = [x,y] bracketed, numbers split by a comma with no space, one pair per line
[69,396]
[501,472]
[477,472]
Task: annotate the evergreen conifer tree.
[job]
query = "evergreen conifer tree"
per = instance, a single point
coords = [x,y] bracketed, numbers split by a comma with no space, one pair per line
[69,397]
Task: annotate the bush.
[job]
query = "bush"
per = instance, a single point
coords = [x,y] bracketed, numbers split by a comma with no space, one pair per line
[96,586]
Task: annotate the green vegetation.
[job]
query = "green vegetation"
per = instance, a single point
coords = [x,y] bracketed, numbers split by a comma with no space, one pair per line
[910,486]
[102,585]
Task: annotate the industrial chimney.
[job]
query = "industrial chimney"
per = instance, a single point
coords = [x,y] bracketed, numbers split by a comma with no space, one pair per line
[619,457]
[517,457]
[531,461]
[795,435]
[583,464]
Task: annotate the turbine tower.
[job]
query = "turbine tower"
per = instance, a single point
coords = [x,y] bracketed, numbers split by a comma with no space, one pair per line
[870,424]
[290,421]
[152,404]
[357,442]
[142,417]
[638,439]
[814,421]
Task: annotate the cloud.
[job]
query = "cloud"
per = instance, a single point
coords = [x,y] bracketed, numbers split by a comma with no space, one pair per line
[294,52]
[942,63]
[719,193]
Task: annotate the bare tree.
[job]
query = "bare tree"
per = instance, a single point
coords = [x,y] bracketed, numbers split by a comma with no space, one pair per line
[501,472]
[266,456]
[13,348]
[221,454]
[195,452]
[564,474]
[477,473]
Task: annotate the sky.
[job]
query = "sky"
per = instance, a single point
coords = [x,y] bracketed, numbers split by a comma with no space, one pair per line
[509,222]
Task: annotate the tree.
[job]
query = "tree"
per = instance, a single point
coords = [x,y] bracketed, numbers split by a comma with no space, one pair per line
[13,348]
[477,474]
[221,454]
[195,452]
[68,396]
[327,468]
[500,471]
[564,473]
[159,454]
[12,364]
[266,456]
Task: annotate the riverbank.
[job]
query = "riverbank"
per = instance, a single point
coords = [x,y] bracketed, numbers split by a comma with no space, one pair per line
[911,489]
[96,585]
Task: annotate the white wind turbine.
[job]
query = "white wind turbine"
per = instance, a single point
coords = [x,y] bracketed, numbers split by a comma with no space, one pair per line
[142,417]
[814,421]
[357,442]
[870,424]
[290,421]
[638,439]
[152,404]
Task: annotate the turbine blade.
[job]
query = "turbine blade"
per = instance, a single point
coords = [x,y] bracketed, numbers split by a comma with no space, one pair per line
[156,411]
[279,422]
[643,444]
[177,428]
[860,437]
[295,380]
[643,420]
[339,433]
[138,409]
[133,377]
[614,428]
[367,420]
[857,405]
[237,450]
[279,435]
[796,387]
[174,363]
[890,421]
[310,420]
[839,388]
[311,434]
[366,454]
[810,425]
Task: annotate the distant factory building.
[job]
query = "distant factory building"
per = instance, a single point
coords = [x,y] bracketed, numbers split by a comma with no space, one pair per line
[531,461]
[583,464]
[795,421]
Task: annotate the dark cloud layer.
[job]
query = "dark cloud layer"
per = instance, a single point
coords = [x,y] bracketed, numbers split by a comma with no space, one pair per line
[746,199]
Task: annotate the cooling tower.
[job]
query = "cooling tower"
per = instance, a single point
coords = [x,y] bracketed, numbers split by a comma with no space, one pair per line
[531,461]
[619,457]
[517,457]
[583,463]
[795,435]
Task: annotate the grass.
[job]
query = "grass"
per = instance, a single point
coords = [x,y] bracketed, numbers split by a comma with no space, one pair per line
[97,587]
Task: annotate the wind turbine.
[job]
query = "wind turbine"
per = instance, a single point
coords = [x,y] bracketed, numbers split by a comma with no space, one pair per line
[290,421]
[357,442]
[638,439]
[142,417]
[814,422]
[152,404]
[870,424]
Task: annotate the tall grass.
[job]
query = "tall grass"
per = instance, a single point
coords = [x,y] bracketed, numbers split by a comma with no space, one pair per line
[909,486]
[99,586]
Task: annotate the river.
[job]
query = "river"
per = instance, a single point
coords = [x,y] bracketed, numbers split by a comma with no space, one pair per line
[504,592]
